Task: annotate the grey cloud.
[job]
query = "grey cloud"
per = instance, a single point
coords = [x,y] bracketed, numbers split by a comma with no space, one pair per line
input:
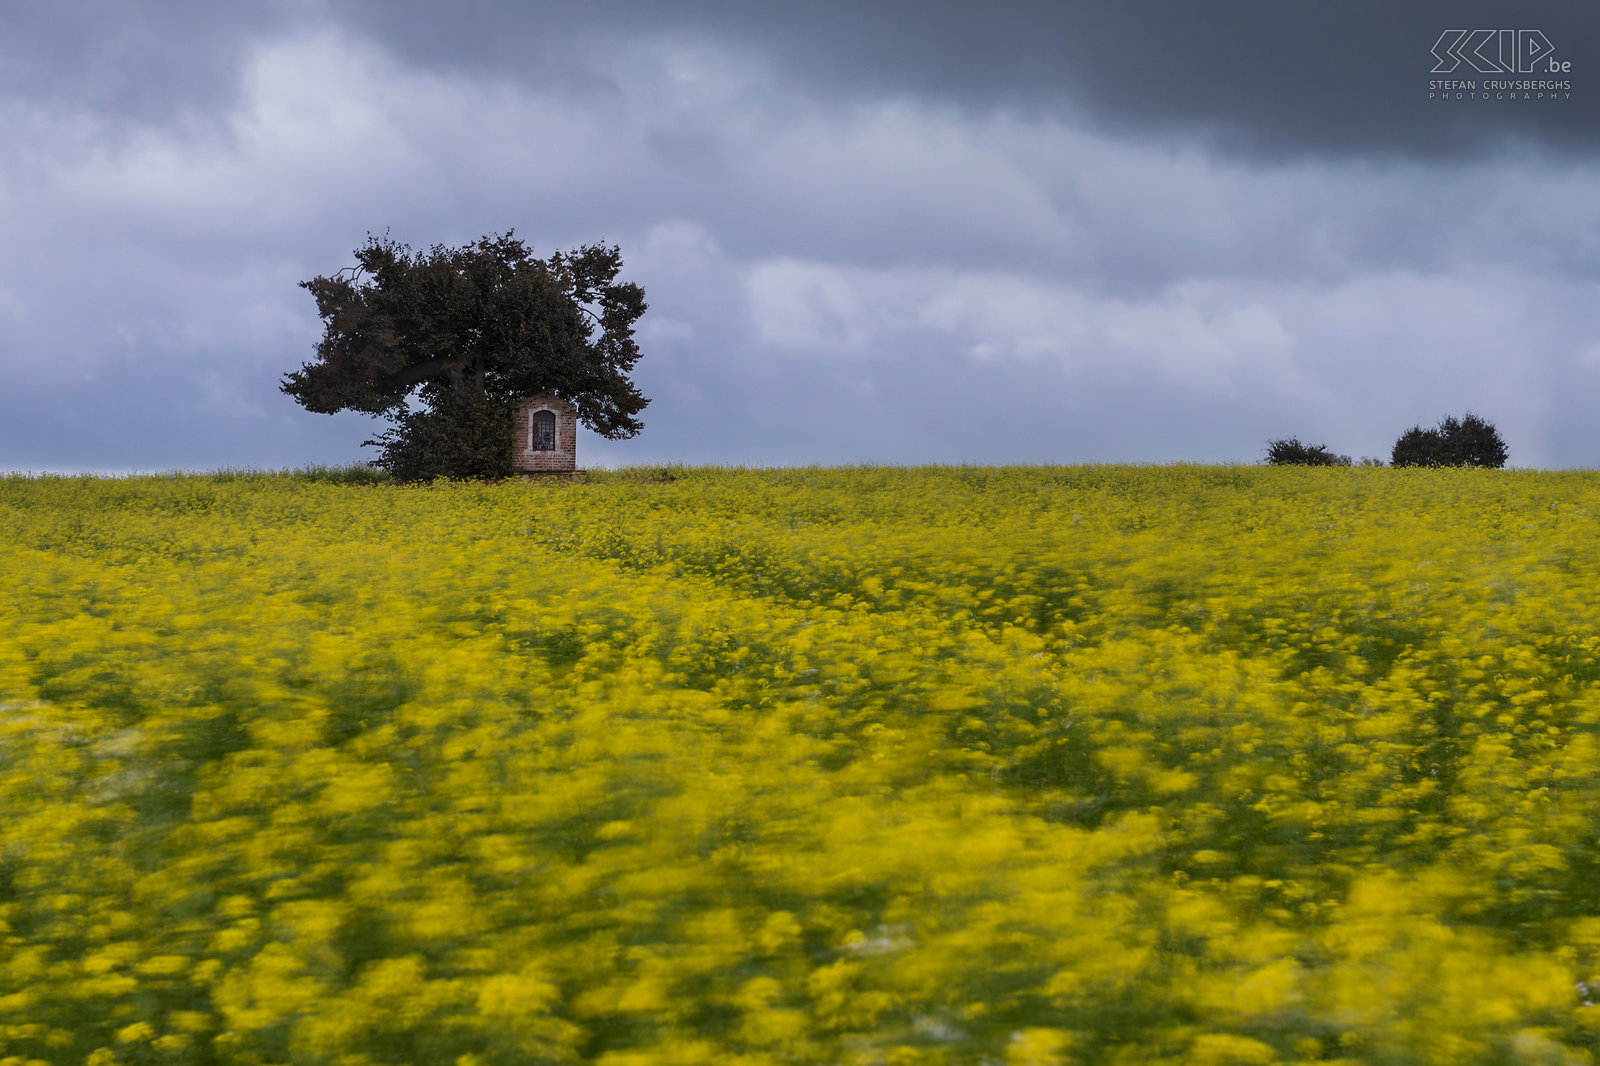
[1260,78]
[1257,78]
[147,63]
[140,416]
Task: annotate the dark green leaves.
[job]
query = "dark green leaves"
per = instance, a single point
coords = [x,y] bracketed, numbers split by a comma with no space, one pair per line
[428,338]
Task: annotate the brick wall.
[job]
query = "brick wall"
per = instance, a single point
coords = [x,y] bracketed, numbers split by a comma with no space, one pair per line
[524,459]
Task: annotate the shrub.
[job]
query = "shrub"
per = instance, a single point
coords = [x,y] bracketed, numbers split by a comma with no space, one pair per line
[1292,453]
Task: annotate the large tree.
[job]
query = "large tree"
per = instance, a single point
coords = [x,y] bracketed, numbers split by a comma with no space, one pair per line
[443,342]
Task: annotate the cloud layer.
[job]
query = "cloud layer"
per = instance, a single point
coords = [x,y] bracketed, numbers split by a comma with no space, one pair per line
[1001,264]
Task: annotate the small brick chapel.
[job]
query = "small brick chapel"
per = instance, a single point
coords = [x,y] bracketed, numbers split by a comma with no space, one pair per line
[546,428]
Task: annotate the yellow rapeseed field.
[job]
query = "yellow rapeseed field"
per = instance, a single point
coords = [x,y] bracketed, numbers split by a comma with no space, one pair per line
[1011,766]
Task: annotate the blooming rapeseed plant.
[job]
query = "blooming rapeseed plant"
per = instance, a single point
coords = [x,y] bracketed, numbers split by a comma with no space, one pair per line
[950,765]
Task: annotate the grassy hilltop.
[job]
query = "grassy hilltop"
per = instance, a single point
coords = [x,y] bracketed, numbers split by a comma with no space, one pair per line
[949,765]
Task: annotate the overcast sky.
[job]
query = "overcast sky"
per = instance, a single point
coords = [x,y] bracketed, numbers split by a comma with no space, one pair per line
[868,232]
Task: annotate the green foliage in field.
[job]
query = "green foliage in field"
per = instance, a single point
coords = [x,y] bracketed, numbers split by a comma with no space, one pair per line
[960,765]
[1291,452]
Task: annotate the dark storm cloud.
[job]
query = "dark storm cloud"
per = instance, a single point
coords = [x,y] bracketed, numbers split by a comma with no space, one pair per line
[154,63]
[1263,78]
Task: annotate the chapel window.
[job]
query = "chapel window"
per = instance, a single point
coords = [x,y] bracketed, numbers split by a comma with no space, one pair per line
[543,434]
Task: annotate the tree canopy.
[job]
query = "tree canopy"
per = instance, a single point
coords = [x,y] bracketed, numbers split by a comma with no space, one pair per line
[1467,441]
[443,342]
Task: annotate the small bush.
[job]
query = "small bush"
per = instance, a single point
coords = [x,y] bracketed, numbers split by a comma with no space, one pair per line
[1292,453]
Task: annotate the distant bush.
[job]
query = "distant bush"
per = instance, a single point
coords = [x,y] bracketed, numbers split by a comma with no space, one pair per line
[1292,453]
[1418,447]
[1468,441]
